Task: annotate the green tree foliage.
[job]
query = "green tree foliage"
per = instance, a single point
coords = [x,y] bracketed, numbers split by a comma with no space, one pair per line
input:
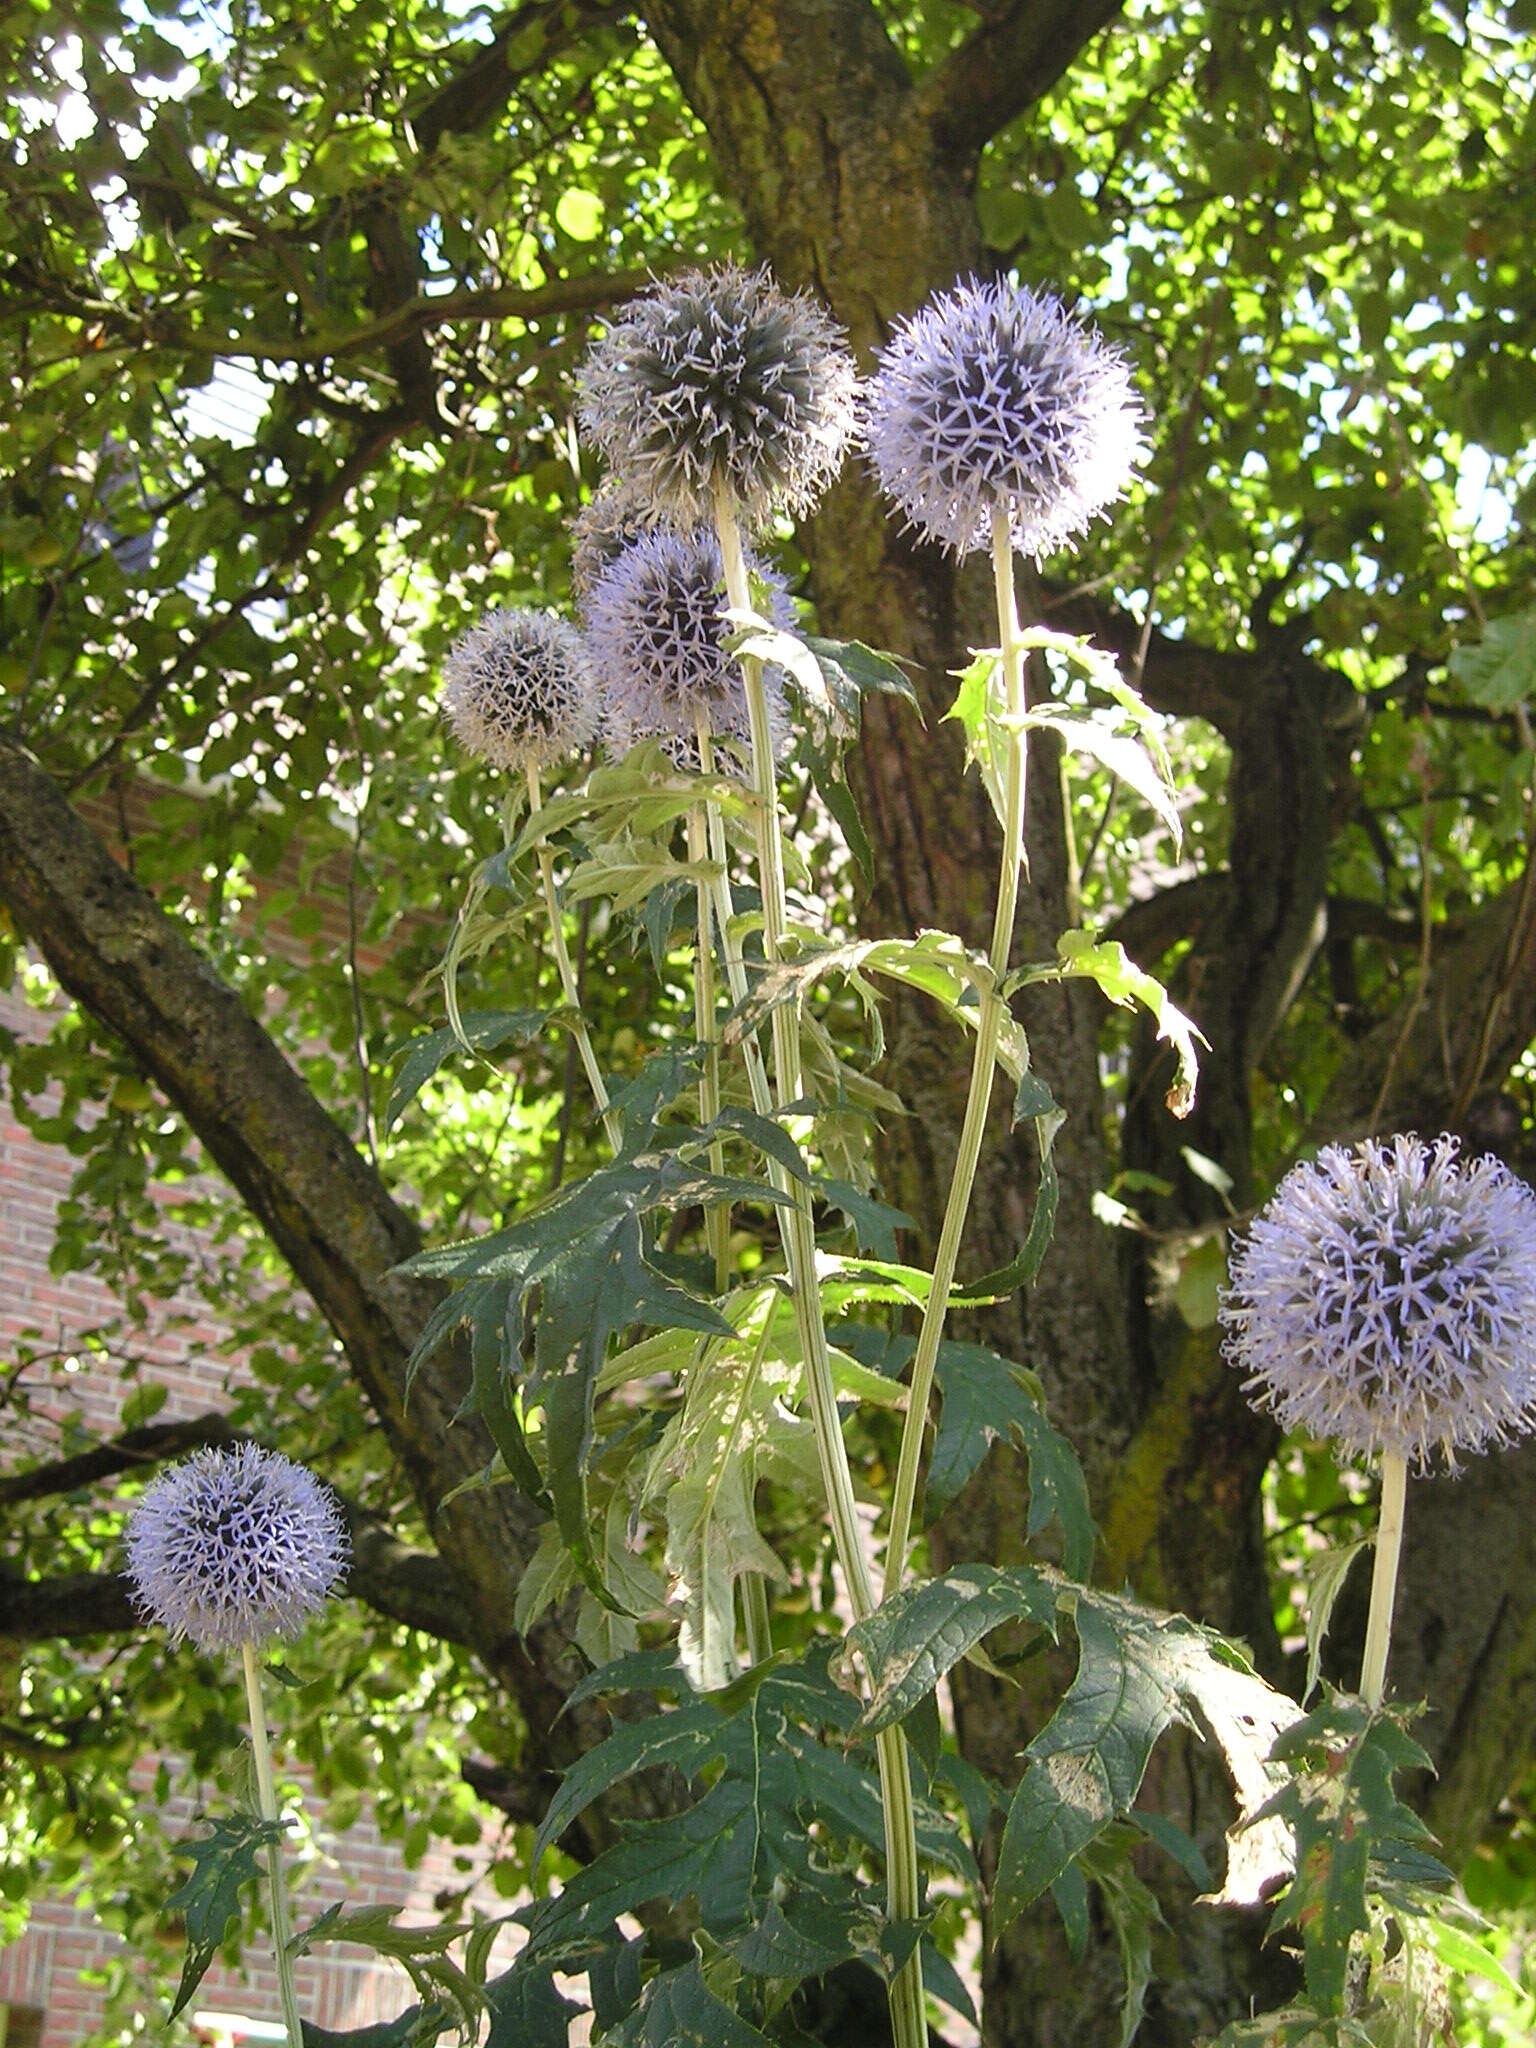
[292,301]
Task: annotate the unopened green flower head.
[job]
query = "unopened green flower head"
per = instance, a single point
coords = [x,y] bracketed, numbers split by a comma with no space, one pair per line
[659,643]
[516,690]
[995,393]
[1385,1298]
[718,382]
[235,1546]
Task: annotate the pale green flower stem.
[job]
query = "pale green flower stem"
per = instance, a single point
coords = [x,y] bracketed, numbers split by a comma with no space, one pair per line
[567,975]
[797,1224]
[1389,1546]
[983,1066]
[717,1219]
[266,1799]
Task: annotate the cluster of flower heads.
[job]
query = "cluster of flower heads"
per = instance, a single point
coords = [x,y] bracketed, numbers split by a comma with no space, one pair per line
[235,1546]
[719,386]
[1386,1299]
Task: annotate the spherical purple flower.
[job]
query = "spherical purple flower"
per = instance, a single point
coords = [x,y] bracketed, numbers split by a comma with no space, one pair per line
[1386,1298]
[718,380]
[235,1546]
[516,690]
[995,391]
[658,641]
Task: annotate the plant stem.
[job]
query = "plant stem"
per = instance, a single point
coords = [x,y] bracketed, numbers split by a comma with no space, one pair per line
[717,1218]
[1389,1545]
[983,1066]
[797,1224]
[568,987]
[266,1796]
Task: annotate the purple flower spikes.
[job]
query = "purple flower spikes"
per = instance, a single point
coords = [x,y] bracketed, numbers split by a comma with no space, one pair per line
[659,644]
[1386,1298]
[994,390]
[235,1546]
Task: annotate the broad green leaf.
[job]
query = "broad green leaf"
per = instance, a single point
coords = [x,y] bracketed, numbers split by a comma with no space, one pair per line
[680,2011]
[1138,1671]
[875,1223]
[1500,671]
[1086,732]
[484,1031]
[223,1861]
[852,670]
[986,1398]
[911,1640]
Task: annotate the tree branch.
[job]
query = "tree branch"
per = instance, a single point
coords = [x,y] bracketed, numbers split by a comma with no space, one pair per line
[1005,66]
[133,1449]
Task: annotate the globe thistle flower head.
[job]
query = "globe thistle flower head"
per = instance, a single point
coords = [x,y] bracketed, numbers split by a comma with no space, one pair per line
[1386,1298]
[658,640]
[516,691]
[235,1546]
[717,380]
[613,521]
[995,391]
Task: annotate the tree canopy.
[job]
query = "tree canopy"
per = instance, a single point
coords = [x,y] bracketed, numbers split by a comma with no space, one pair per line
[292,304]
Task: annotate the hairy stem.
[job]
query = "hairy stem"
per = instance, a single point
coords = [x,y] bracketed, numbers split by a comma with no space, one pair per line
[266,1795]
[1389,1546]
[983,1067]
[568,986]
[797,1223]
[717,1218]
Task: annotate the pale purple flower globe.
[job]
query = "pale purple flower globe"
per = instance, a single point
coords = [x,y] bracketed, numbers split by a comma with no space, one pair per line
[1386,1298]
[235,1546]
[516,690]
[717,381]
[658,641]
[995,392]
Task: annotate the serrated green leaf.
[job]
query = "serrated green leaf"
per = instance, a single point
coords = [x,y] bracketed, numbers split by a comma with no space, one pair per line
[1138,1671]
[1128,758]
[486,1031]
[985,1399]
[875,1223]
[223,1862]
[1325,1581]
[680,2011]
[526,2011]
[911,1640]
[417,2027]
[1106,962]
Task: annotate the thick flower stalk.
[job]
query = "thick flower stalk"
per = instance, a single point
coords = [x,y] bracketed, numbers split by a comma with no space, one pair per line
[517,691]
[994,401]
[232,1549]
[719,381]
[996,421]
[1385,1299]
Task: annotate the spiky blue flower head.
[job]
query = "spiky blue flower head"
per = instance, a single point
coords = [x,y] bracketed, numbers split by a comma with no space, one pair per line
[1386,1298]
[516,690]
[718,381]
[235,1546]
[995,391]
[658,641]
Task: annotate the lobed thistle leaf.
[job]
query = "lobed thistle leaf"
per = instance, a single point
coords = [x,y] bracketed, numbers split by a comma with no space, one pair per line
[235,1546]
[1386,1298]
[994,390]
[716,381]
[659,645]
[516,690]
